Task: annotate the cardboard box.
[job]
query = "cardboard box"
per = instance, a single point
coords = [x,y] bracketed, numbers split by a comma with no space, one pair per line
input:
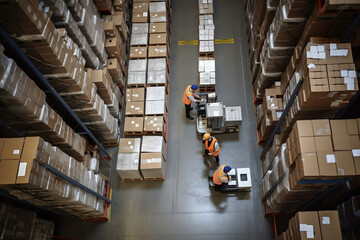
[8,171]
[345,163]
[308,225]
[140,17]
[330,225]
[1,145]
[158,28]
[352,127]
[138,52]
[28,155]
[133,124]
[306,144]
[129,145]
[355,141]
[341,142]
[154,124]
[141,7]
[158,38]
[135,94]
[158,51]
[321,127]
[327,164]
[323,143]
[12,149]
[134,108]
[338,127]
[307,165]
[152,165]
[304,128]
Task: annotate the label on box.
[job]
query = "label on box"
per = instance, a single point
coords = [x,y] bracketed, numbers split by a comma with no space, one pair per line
[321,48]
[352,73]
[129,142]
[156,160]
[356,152]
[131,147]
[325,220]
[22,169]
[333,46]
[344,73]
[148,160]
[136,125]
[16,151]
[311,65]
[132,106]
[132,122]
[330,158]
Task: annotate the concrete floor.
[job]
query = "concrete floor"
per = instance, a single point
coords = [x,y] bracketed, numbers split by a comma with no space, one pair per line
[182,207]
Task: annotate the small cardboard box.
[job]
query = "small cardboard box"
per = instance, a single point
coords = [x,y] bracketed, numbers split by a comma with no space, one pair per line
[327,163]
[307,164]
[330,225]
[341,142]
[8,171]
[135,94]
[345,163]
[133,124]
[141,7]
[134,108]
[140,17]
[138,52]
[355,141]
[321,127]
[29,154]
[307,144]
[158,28]
[12,149]
[2,140]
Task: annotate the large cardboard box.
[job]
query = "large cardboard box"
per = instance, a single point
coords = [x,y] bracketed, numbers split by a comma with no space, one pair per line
[129,145]
[8,171]
[152,165]
[330,225]
[307,165]
[308,225]
[1,145]
[341,142]
[140,17]
[327,164]
[352,126]
[154,124]
[158,51]
[12,149]
[135,94]
[345,163]
[133,124]
[158,39]
[158,28]
[338,127]
[304,128]
[141,7]
[323,143]
[138,52]
[321,127]
[28,155]
[355,141]
[134,108]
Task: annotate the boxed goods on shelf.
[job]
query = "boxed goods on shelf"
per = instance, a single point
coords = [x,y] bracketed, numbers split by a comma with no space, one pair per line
[133,125]
[157,73]
[135,95]
[137,72]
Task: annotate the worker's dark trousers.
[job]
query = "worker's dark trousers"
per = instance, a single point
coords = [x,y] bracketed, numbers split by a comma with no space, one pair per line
[187,110]
[220,187]
[216,157]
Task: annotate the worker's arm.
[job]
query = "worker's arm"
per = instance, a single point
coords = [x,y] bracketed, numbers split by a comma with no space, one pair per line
[192,99]
[216,146]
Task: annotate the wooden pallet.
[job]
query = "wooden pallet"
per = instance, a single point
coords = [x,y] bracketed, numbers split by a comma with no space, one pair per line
[162,133]
[157,84]
[206,54]
[154,179]
[140,85]
[203,89]
[133,133]
[132,180]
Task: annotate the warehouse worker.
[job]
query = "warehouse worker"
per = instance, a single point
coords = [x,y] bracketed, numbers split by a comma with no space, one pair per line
[212,147]
[221,177]
[190,97]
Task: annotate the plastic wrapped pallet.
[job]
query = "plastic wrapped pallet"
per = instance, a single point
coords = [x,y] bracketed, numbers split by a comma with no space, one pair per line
[155,93]
[137,72]
[157,107]
[128,159]
[206,71]
[151,144]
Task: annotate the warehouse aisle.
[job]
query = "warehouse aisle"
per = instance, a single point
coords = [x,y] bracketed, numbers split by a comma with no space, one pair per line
[182,206]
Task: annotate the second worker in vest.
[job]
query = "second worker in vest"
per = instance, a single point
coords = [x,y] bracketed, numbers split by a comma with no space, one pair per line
[221,177]
[189,97]
[212,147]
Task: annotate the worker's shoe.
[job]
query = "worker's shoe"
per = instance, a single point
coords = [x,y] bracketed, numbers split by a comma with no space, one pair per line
[191,118]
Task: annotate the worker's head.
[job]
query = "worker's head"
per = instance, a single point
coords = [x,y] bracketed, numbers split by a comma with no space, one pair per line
[227,169]
[194,87]
[207,136]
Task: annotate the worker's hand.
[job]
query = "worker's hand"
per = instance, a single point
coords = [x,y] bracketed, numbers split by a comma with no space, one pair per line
[203,100]
[198,101]
[210,154]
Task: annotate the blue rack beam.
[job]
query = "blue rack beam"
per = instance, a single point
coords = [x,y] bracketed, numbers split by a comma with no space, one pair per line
[283,115]
[50,89]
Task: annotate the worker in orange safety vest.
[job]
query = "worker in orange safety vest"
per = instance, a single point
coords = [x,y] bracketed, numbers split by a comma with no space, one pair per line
[212,147]
[221,177]
[190,97]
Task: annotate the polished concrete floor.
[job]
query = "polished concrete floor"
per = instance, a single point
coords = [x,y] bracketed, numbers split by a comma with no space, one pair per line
[183,207]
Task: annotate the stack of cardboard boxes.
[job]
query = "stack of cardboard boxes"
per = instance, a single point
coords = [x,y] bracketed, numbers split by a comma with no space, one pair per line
[147,89]
[313,225]
[349,217]
[316,150]
[24,175]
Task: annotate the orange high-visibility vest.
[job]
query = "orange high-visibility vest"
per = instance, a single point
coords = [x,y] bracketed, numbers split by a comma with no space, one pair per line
[187,93]
[211,148]
[219,175]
